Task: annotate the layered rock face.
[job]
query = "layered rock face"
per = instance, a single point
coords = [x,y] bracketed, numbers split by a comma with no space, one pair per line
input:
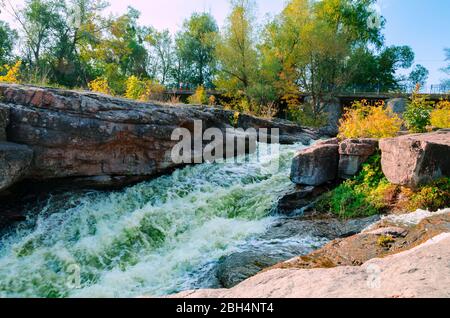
[4,121]
[15,161]
[108,140]
[413,160]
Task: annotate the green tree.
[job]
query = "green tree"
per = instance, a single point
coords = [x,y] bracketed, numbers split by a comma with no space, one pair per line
[7,39]
[37,21]
[309,45]
[419,75]
[161,54]
[196,44]
[236,51]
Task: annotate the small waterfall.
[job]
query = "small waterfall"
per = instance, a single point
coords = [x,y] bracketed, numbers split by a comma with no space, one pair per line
[155,238]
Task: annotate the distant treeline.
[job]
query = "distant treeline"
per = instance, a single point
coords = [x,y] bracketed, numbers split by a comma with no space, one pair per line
[318,47]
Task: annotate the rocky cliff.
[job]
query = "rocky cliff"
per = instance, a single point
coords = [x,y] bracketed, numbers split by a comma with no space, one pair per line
[102,140]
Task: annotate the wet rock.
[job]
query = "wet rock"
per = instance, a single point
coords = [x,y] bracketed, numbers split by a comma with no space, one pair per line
[358,249]
[4,121]
[417,159]
[353,153]
[299,199]
[284,240]
[316,165]
[15,161]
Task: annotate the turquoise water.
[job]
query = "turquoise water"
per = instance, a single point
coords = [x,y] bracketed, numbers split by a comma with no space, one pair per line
[155,238]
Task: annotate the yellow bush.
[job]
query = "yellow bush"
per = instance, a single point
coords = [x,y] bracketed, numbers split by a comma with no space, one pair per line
[365,121]
[135,88]
[154,91]
[144,90]
[100,85]
[199,97]
[12,73]
[440,117]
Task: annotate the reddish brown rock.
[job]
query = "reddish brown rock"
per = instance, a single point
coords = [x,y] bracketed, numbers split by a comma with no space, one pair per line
[316,165]
[412,160]
[353,153]
[106,140]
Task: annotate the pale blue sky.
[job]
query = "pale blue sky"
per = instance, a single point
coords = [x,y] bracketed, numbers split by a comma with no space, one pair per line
[422,24]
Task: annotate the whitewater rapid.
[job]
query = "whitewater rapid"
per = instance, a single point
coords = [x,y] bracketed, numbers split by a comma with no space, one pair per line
[154,238]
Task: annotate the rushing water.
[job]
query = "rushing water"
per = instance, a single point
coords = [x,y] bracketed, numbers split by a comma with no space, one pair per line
[155,238]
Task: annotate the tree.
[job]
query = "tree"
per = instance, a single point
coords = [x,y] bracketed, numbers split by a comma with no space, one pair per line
[37,21]
[446,69]
[371,71]
[236,51]
[310,43]
[196,44]
[162,52]
[7,39]
[419,75]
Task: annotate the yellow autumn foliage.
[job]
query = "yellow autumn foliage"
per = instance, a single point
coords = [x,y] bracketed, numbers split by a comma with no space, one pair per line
[440,117]
[365,121]
[200,97]
[12,73]
[100,85]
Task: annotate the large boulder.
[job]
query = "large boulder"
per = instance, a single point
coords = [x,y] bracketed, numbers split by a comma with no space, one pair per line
[15,161]
[101,138]
[4,121]
[316,165]
[353,153]
[413,160]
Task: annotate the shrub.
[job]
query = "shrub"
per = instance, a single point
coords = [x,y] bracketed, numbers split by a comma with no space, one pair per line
[135,88]
[304,114]
[365,121]
[440,117]
[418,112]
[12,73]
[431,197]
[199,97]
[144,90]
[385,240]
[100,85]
[212,100]
[364,195]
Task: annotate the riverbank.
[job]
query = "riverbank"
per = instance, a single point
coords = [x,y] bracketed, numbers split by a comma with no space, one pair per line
[405,256]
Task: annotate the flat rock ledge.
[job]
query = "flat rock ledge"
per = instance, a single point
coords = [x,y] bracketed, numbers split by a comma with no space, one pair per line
[415,263]
[107,141]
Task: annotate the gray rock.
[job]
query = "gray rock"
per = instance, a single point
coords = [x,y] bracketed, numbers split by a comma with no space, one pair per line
[418,159]
[397,105]
[4,121]
[15,161]
[353,153]
[316,165]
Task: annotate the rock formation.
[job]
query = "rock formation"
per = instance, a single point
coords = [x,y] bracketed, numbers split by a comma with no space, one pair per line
[316,165]
[353,153]
[412,160]
[108,141]
[15,161]
[414,264]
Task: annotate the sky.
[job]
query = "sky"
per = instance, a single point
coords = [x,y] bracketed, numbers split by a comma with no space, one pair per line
[422,24]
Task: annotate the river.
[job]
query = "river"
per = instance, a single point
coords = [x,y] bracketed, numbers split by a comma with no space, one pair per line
[155,238]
